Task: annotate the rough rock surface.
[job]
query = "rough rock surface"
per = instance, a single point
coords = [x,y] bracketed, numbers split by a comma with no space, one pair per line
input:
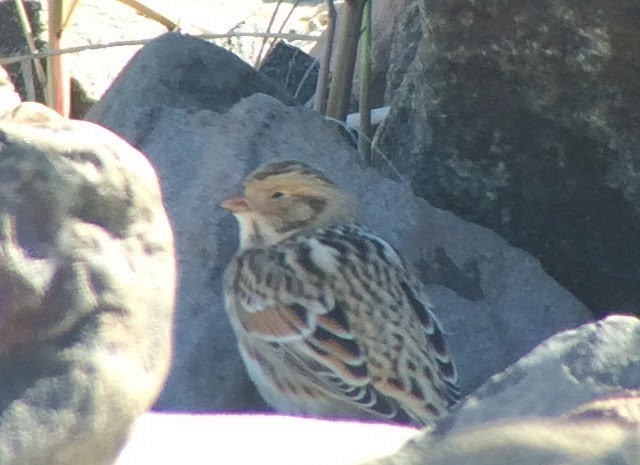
[87,280]
[510,419]
[596,360]
[527,442]
[181,71]
[525,117]
[494,301]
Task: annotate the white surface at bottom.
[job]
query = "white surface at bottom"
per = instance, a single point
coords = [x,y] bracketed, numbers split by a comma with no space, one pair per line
[188,439]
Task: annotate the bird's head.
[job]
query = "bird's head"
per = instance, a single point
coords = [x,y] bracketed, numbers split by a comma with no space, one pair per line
[283,198]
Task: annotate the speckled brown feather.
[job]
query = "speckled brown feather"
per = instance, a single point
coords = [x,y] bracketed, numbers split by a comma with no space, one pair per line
[331,321]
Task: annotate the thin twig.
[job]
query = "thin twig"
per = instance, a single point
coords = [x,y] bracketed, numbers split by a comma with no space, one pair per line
[70,10]
[256,64]
[320,103]
[124,43]
[304,78]
[364,141]
[28,34]
[151,14]
[284,23]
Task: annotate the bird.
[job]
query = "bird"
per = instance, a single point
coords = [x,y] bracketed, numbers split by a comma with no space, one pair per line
[330,320]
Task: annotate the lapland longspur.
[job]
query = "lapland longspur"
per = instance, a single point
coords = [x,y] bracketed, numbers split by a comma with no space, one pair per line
[330,320]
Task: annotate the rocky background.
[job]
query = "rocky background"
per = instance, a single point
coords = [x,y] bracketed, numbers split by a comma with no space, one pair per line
[515,126]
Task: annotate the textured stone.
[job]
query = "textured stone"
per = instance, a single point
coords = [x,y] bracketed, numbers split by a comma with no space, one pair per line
[494,301]
[527,442]
[578,366]
[523,117]
[586,375]
[182,72]
[293,69]
[87,280]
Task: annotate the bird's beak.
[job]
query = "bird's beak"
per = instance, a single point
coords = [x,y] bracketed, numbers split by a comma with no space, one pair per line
[236,204]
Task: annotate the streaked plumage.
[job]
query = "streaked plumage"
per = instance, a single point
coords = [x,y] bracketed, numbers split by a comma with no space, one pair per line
[330,320]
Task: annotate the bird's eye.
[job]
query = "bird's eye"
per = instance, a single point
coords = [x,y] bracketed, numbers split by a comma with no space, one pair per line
[277,195]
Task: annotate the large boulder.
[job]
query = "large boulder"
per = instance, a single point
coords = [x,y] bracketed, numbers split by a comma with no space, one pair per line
[495,301]
[523,117]
[87,280]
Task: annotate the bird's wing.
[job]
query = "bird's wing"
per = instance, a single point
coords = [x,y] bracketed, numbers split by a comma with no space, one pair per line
[285,297]
[391,317]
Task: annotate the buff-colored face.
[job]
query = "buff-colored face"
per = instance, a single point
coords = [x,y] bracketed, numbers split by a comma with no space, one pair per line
[283,198]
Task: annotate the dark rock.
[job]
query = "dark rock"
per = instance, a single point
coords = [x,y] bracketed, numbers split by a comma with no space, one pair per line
[13,42]
[492,299]
[403,45]
[525,118]
[87,281]
[180,71]
[293,69]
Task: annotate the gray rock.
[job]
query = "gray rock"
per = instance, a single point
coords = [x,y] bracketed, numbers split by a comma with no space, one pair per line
[87,281]
[510,419]
[181,71]
[293,69]
[403,40]
[527,442]
[495,301]
[522,117]
[567,370]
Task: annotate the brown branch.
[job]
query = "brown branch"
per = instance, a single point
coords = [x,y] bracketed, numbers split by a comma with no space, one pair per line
[320,103]
[346,51]
[124,43]
[151,14]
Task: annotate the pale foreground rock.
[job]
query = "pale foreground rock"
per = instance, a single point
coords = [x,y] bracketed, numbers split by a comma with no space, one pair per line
[87,278]
[544,409]
[495,301]
[527,442]
[596,360]
[161,439]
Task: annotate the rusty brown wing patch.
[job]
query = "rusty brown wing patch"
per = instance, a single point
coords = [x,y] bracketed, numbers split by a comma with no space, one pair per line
[282,322]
